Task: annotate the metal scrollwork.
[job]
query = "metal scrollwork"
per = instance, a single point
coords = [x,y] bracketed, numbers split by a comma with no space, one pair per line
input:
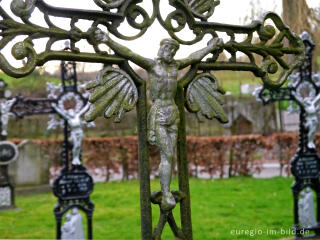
[266,95]
[22,9]
[19,51]
[271,46]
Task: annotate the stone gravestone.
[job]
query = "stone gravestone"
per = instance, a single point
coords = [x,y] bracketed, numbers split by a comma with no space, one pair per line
[5,197]
[31,158]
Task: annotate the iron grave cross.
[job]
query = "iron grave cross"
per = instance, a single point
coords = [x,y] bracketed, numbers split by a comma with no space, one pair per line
[303,90]
[119,89]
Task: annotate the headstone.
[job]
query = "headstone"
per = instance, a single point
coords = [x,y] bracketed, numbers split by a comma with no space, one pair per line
[32,159]
[5,197]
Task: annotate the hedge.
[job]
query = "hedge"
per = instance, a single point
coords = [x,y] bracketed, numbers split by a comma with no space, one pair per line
[225,156]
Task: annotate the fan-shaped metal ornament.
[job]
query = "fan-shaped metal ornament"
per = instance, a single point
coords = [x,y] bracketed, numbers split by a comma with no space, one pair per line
[114,93]
[204,97]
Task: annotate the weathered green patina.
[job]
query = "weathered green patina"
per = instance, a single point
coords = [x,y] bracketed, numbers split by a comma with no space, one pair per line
[118,90]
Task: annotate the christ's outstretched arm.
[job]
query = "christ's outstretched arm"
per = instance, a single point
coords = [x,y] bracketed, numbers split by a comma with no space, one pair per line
[299,100]
[84,109]
[316,101]
[214,45]
[123,51]
[62,113]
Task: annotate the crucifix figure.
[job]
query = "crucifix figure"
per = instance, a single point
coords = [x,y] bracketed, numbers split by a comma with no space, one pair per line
[74,121]
[311,106]
[163,117]
[5,107]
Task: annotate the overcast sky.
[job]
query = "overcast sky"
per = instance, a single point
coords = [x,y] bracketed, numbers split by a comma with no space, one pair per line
[229,11]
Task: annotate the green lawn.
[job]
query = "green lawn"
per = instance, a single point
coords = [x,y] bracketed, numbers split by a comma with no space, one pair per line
[218,208]
[31,85]
[231,81]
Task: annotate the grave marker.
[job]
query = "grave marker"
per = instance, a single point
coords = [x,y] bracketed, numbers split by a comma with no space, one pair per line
[303,90]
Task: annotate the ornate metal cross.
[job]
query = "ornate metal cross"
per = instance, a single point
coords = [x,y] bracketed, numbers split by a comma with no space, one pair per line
[73,185]
[119,89]
[8,150]
[303,91]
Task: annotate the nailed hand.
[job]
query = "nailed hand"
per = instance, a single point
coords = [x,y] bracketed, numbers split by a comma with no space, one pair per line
[100,36]
[216,42]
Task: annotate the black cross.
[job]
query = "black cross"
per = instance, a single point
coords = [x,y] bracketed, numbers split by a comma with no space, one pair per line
[305,165]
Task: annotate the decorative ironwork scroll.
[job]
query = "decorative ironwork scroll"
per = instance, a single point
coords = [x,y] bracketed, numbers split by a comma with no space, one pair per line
[118,88]
[270,46]
[303,91]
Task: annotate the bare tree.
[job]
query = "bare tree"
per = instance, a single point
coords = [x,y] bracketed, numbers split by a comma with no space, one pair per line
[300,17]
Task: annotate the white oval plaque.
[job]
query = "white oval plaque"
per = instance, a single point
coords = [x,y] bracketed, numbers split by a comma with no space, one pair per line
[8,152]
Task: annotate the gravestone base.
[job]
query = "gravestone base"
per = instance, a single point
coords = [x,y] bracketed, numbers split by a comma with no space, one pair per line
[305,166]
[6,197]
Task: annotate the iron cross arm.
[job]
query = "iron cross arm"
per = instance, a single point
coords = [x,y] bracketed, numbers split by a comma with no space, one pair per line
[270,95]
[31,106]
[270,44]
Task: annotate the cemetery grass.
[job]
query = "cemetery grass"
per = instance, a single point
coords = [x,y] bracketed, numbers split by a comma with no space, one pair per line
[33,85]
[218,208]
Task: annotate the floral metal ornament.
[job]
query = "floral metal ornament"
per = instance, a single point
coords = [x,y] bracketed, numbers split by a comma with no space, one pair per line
[119,89]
